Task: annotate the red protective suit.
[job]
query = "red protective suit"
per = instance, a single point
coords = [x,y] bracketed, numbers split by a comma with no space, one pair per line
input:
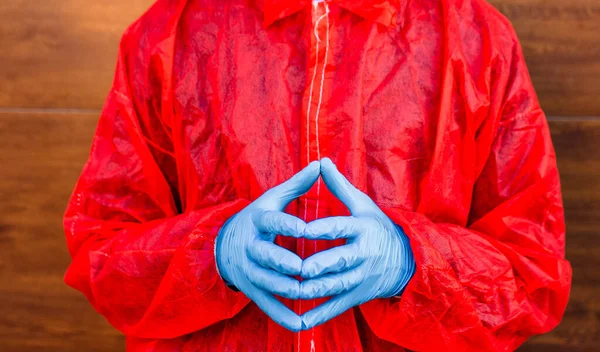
[425,105]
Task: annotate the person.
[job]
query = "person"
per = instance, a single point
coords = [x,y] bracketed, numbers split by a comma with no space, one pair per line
[339,175]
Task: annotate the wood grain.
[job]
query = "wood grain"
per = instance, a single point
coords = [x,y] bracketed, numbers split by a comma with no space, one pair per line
[42,155]
[577,145]
[561,42]
[61,54]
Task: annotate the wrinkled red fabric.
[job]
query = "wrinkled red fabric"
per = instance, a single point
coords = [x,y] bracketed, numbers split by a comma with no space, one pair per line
[427,106]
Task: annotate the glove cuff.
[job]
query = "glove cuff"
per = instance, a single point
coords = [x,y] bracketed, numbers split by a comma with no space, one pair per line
[409,262]
[227,283]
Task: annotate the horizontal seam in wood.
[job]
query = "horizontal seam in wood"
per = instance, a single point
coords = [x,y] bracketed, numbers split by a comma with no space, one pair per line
[49,111]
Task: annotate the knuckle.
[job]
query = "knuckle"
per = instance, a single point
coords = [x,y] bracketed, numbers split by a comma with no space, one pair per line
[280,221]
[342,262]
[312,271]
[305,289]
[293,290]
[300,227]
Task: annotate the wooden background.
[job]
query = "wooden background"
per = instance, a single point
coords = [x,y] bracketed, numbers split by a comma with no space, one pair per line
[56,66]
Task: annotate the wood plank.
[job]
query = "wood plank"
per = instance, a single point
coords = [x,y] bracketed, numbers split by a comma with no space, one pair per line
[577,145]
[42,155]
[560,41]
[61,54]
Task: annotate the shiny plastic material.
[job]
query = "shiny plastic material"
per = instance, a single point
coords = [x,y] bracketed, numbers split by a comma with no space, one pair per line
[425,106]
[375,262]
[247,258]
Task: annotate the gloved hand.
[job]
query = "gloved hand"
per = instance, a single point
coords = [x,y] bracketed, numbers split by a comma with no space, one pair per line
[375,262]
[247,257]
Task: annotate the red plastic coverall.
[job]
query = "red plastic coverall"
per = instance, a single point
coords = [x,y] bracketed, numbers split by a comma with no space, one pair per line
[425,105]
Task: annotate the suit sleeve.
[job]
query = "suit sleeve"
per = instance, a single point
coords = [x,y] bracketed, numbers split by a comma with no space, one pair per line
[489,285]
[143,264]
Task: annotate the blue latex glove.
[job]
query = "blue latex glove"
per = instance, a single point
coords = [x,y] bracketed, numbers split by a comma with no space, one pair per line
[375,262]
[247,257]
